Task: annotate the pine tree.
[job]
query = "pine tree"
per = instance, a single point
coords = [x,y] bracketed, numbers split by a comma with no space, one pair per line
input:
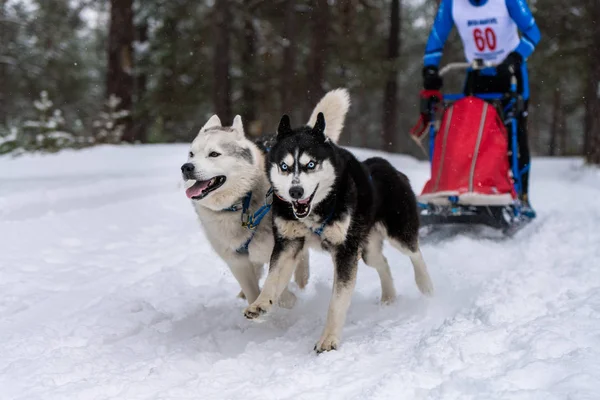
[46,45]
[111,124]
[47,132]
[9,141]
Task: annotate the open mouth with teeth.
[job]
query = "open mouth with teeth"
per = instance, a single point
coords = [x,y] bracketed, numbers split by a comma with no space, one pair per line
[301,208]
[201,189]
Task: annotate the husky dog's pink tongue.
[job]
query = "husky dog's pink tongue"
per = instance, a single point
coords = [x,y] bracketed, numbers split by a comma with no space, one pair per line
[197,189]
[304,201]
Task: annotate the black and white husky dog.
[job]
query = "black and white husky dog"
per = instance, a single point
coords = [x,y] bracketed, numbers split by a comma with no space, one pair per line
[326,198]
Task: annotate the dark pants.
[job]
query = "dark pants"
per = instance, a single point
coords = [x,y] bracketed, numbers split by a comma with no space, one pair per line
[477,83]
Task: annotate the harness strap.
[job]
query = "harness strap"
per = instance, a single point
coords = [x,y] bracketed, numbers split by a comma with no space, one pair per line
[252,221]
[243,249]
[319,230]
[239,206]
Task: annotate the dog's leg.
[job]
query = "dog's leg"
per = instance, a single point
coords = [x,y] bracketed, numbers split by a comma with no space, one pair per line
[302,272]
[346,265]
[243,272]
[258,271]
[373,257]
[287,298]
[283,262]
[422,278]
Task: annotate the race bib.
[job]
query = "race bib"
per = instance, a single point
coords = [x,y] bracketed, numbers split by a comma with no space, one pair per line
[487,31]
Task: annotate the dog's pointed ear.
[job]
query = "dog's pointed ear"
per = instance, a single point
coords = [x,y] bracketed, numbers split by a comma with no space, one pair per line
[238,126]
[211,123]
[319,129]
[285,127]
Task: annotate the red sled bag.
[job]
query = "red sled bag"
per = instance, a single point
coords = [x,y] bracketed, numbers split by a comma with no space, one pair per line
[470,159]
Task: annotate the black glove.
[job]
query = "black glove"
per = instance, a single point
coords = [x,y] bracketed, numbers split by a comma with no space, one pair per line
[510,66]
[432,79]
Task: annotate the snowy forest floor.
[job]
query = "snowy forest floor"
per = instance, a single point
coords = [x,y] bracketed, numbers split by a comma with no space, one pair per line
[109,290]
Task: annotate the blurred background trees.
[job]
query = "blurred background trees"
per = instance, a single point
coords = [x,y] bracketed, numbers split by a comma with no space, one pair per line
[155,70]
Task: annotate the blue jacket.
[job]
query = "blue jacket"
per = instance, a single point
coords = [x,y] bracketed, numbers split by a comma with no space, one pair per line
[518,10]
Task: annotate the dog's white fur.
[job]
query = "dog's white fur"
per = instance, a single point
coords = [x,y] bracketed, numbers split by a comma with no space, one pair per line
[334,105]
[223,228]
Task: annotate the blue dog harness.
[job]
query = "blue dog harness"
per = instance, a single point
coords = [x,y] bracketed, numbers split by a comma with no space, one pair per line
[251,221]
[319,230]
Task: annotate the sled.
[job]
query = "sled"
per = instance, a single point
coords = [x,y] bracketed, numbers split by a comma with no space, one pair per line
[475,180]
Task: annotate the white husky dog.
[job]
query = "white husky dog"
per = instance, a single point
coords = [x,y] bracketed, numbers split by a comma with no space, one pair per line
[226,180]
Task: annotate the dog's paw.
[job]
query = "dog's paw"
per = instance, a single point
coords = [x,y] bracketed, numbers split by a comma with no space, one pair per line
[424,284]
[301,279]
[388,294]
[256,309]
[388,299]
[287,299]
[327,342]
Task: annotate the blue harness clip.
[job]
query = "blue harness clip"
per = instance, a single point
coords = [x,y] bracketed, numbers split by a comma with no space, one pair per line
[252,221]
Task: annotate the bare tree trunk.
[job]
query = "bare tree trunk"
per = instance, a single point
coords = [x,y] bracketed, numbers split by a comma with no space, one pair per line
[593,152]
[141,122]
[288,66]
[390,98]
[119,79]
[222,61]
[346,10]
[249,96]
[3,68]
[167,91]
[363,122]
[554,127]
[562,132]
[535,139]
[318,51]
[587,116]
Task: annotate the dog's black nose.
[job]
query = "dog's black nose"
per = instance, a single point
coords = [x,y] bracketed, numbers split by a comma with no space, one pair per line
[188,170]
[296,192]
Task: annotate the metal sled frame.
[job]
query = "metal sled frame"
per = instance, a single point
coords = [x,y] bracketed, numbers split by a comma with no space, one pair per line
[503,218]
[507,218]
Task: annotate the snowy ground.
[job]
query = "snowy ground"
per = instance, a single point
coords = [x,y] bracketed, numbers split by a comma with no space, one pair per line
[109,290]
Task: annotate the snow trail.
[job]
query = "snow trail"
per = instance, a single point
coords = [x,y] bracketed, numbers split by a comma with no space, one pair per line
[109,290]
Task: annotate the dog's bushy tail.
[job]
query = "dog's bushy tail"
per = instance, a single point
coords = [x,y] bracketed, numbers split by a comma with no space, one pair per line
[334,106]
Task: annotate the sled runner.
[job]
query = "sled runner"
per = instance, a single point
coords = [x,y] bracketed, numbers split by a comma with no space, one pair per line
[475,180]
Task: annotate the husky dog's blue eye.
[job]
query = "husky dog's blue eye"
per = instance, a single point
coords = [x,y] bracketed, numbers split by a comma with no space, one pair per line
[214,154]
[311,165]
[283,166]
